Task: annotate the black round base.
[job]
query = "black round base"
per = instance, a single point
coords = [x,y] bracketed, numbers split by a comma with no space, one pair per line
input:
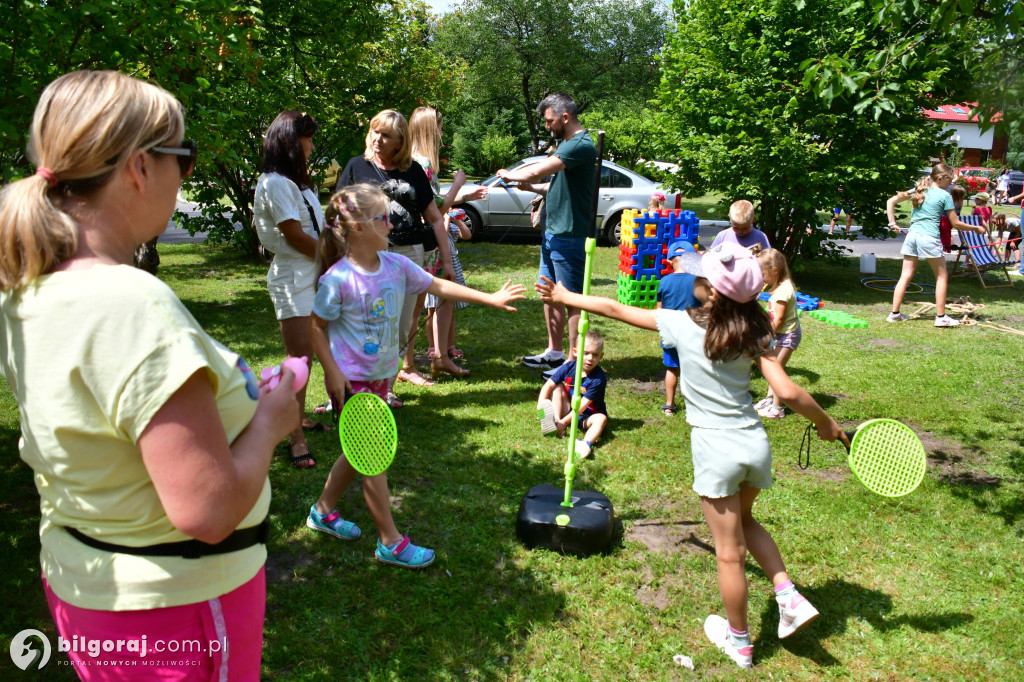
[583,529]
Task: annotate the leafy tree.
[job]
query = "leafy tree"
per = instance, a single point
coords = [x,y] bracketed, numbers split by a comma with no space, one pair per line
[234,67]
[631,132]
[741,118]
[993,63]
[516,51]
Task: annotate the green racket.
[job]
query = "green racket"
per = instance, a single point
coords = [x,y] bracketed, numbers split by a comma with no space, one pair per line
[886,456]
[369,437]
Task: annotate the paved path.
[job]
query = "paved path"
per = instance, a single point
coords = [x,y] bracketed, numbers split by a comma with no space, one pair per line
[882,248]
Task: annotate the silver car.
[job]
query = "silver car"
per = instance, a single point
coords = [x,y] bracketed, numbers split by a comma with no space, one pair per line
[506,210]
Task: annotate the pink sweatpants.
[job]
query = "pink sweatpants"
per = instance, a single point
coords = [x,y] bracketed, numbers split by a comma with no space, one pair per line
[220,639]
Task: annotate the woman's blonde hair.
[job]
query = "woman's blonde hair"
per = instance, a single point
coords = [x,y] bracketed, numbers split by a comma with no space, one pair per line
[940,172]
[395,125]
[775,260]
[425,130]
[85,126]
[358,203]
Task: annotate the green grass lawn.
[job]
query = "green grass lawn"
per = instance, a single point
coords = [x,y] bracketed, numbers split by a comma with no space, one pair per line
[924,587]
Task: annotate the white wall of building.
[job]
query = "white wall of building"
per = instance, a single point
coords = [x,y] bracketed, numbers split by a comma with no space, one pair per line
[968,136]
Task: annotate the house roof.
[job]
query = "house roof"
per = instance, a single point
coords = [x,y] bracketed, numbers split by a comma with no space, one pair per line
[955,113]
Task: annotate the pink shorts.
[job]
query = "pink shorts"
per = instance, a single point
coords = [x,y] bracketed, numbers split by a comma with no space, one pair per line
[219,639]
[378,387]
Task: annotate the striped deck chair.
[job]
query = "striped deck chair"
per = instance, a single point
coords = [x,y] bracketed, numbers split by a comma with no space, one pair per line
[979,256]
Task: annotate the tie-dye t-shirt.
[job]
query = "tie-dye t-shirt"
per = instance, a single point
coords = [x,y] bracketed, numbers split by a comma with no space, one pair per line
[363,310]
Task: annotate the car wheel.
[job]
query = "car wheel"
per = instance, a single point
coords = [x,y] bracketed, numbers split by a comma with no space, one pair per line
[473,221]
[611,232]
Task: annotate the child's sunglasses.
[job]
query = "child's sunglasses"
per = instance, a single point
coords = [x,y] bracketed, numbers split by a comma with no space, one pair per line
[186,155]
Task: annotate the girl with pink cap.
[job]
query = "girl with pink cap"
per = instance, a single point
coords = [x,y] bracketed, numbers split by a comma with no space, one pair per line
[731,455]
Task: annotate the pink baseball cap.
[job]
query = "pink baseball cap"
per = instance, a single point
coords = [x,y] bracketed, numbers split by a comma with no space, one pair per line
[734,271]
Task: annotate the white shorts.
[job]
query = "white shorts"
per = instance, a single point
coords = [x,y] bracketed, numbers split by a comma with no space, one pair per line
[922,246]
[413,252]
[725,458]
[291,290]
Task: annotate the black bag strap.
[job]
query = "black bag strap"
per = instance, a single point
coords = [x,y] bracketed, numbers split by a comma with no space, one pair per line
[243,538]
[312,216]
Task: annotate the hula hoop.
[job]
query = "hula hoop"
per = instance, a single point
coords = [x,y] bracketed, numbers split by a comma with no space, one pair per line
[875,283]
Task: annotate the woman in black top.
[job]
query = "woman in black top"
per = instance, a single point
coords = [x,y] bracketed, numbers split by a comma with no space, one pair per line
[387,163]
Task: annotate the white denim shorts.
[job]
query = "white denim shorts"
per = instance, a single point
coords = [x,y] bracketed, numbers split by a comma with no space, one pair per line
[922,246]
[725,458]
[290,285]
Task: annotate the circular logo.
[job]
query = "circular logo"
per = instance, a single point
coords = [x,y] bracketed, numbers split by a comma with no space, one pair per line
[24,654]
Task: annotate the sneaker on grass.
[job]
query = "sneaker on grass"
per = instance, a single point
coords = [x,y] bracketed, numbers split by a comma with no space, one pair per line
[546,413]
[946,321]
[897,317]
[795,615]
[549,359]
[717,630]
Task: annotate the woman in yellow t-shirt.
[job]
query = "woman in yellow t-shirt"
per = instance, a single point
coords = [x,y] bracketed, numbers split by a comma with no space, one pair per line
[150,441]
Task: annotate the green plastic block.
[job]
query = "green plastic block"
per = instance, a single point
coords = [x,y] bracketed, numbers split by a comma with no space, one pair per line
[838,318]
[641,293]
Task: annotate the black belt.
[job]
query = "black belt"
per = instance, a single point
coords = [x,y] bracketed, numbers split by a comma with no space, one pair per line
[243,538]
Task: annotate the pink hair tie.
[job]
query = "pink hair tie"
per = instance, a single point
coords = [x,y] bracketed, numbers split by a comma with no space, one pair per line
[48,175]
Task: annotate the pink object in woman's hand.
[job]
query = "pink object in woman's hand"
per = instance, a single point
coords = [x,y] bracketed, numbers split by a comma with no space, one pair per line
[272,375]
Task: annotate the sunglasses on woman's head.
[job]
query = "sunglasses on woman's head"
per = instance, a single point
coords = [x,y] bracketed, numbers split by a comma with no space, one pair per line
[186,154]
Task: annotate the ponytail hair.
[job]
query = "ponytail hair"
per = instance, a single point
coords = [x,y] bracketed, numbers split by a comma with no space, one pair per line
[733,329]
[348,206]
[940,172]
[85,126]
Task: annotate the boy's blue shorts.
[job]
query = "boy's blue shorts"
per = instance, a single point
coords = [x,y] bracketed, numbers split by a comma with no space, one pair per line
[670,357]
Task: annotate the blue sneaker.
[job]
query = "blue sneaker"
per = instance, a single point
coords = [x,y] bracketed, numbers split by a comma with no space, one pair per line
[405,554]
[332,524]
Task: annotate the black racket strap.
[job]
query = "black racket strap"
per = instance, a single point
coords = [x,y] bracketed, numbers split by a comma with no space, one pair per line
[803,457]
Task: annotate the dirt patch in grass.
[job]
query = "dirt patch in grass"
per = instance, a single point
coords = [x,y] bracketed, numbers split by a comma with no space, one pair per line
[281,566]
[671,537]
[648,596]
[955,463]
[834,474]
[884,343]
[637,386]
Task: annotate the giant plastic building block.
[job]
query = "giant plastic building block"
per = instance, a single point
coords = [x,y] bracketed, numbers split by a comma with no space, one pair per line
[643,261]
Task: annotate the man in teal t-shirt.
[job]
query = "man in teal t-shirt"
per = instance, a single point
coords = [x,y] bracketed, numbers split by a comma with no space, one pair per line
[568,206]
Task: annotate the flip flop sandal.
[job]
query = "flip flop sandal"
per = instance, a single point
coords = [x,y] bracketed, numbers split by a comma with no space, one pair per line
[669,410]
[299,461]
[322,408]
[393,401]
[455,354]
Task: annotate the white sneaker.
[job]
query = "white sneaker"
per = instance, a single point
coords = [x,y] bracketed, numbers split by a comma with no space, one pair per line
[946,321]
[546,414]
[762,405]
[717,630]
[582,449]
[797,615]
[897,317]
[549,359]
[772,412]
